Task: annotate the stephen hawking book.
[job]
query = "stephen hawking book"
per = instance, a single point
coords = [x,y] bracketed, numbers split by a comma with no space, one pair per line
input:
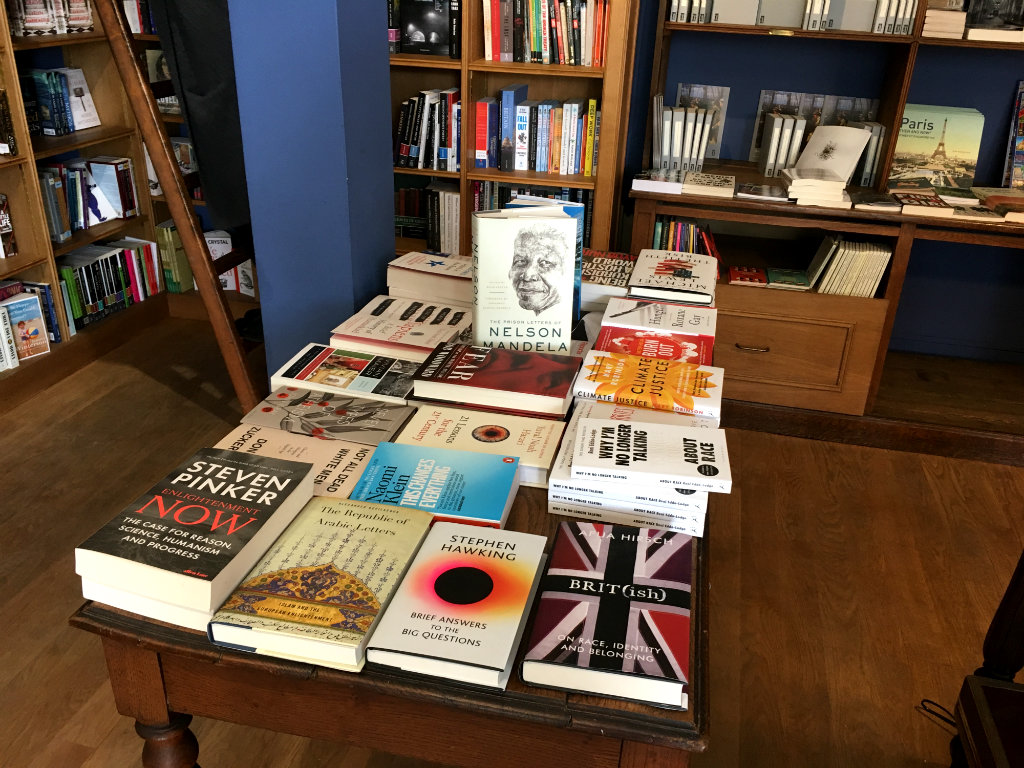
[305,411]
[658,329]
[190,539]
[461,608]
[613,614]
[670,454]
[451,484]
[674,276]
[533,440]
[648,382]
[524,279]
[403,328]
[345,372]
[526,382]
[337,464]
[317,593]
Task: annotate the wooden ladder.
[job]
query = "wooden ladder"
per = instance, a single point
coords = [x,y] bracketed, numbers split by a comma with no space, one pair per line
[204,269]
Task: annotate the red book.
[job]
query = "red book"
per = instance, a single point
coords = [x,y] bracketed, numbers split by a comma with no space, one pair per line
[657,329]
[754,276]
[510,380]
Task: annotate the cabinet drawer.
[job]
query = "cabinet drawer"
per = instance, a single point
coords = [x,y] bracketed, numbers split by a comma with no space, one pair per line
[805,350]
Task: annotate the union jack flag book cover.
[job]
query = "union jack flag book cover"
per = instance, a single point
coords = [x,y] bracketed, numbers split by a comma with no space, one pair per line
[613,617]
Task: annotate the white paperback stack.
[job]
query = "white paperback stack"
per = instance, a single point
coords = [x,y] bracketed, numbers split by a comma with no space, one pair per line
[444,278]
[945,18]
[612,501]
[825,166]
[816,186]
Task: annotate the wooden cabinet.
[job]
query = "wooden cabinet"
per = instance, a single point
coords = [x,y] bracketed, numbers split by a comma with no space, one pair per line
[36,258]
[477,77]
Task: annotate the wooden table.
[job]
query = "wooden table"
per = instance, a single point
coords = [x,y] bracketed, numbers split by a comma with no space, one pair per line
[163,675]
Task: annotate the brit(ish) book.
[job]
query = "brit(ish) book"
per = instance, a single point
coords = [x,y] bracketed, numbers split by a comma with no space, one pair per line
[451,484]
[318,592]
[346,372]
[525,278]
[613,614]
[688,278]
[461,608]
[637,452]
[533,440]
[448,278]
[403,328]
[648,382]
[658,329]
[304,411]
[337,464]
[492,377]
[189,540]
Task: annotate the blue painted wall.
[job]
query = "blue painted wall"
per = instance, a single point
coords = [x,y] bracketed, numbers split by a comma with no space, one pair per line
[316,135]
[963,301]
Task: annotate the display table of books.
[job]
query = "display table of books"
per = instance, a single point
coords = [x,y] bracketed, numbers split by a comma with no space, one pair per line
[162,675]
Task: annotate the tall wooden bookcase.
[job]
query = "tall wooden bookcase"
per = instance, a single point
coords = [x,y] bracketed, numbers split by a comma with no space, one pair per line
[476,77]
[36,257]
[806,350]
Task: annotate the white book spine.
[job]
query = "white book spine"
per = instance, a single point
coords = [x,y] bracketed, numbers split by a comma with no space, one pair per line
[522,137]
[10,352]
[683,525]
[881,10]
[567,119]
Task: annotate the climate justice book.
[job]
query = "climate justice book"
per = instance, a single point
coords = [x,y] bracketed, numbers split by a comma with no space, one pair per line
[637,452]
[649,382]
[337,464]
[525,382]
[449,483]
[658,329]
[461,608]
[524,279]
[613,614]
[191,538]
[346,372]
[304,411]
[448,278]
[689,278]
[403,328]
[318,592]
[533,440]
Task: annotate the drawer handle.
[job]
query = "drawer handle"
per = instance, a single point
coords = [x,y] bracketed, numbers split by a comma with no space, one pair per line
[752,349]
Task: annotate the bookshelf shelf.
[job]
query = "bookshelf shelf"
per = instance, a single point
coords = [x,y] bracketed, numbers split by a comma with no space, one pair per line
[107,230]
[56,41]
[537,70]
[16,264]
[424,62]
[430,172]
[743,29]
[993,45]
[532,177]
[50,146]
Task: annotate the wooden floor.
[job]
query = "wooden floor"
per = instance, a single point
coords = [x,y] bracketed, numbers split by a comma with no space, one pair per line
[847,583]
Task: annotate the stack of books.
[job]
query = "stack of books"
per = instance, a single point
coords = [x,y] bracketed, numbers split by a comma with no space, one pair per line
[816,186]
[945,18]
[714,184]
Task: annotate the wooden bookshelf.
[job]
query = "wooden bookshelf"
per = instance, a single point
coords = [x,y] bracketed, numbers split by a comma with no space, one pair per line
[476,77]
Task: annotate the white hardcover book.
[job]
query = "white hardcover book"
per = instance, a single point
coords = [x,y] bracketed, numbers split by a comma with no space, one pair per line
[83,109]
[781,13]
[674,276]
[678,133]
[699,128]
[684,10]
[770,144]
[667,454]
[702,12]
[785,139]
[430,97]
[825,6]
[900,17]
[687,149]
[822,258]
[702,149]
[667,123]
[796,141]
[673,11]
[814,15]
[881,12]
[910,18]
[805,23]
[735,12]
[890,16]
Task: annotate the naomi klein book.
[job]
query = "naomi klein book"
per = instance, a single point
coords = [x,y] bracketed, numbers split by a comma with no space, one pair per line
[305,411]
[317,593]
[190,539]
[533,440]
[649,382]
[451,484]
[658,329]
[461,608]
[524,279]
[527,382]
[345,372]
[613,614]
[337,464]
[667,454]
[688,278]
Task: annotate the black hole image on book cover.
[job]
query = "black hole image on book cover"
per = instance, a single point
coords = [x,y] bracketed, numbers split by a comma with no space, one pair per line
[491,433]
[463,585]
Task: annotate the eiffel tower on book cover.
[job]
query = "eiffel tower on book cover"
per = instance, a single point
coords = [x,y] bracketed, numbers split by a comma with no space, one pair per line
[937,147]
[940,150]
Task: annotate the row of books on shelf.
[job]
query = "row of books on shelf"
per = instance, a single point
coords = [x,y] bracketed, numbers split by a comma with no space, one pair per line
[890,17]
[517,133]
[82,192]
[29,18]
[429,131]
[357,515]
[681,135]
[57,101]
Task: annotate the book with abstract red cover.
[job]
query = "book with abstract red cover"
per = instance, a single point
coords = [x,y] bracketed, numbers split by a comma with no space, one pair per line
[658,329]
[530,382]
[613,614]
[756,277]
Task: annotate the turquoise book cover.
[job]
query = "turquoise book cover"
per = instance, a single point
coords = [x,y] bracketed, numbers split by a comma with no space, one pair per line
[461,486]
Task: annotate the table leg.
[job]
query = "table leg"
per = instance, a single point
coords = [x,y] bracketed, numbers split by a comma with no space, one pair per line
[169,745]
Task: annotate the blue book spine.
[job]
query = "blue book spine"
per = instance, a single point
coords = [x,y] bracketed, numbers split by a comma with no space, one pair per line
[511,95]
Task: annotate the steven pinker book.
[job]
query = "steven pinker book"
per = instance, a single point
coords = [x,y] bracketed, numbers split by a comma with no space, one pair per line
[461,608]
[636,452]
[451,484]
[191,538]
[613,614]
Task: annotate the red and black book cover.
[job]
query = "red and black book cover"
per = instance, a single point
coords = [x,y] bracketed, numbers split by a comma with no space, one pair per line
[532,373]
[616,599]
